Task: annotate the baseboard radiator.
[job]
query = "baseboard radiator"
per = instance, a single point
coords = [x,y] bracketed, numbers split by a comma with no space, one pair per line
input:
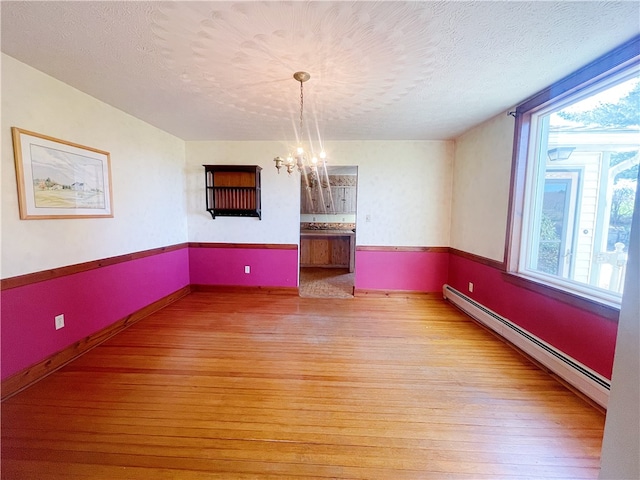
[579,376]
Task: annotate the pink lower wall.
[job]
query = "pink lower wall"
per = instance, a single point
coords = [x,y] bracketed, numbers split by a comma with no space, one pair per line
[583,335]
[95,299]
[417,271]
[270,267]
[90,301]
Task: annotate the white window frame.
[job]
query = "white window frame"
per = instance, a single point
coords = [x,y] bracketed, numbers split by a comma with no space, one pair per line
[601,74]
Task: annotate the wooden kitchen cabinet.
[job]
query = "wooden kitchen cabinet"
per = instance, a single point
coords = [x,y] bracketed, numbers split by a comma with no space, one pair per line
[317,199]
[325,251]
[344,199]
[310,200]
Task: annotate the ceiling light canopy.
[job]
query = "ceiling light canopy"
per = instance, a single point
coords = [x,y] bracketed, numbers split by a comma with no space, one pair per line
[300,158]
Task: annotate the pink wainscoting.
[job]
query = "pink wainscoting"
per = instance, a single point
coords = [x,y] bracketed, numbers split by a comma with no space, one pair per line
[583,335]
[417,271]
[270,267]
[95,299]
[90,301]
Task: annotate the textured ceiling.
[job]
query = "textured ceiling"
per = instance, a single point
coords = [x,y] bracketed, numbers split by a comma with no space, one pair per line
[379,70]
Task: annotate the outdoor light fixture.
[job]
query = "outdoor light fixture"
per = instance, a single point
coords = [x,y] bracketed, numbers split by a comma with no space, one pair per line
[560,153]
[300,157]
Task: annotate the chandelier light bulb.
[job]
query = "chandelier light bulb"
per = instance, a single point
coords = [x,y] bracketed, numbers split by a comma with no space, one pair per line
[279,162]
[314,160]
[323,155]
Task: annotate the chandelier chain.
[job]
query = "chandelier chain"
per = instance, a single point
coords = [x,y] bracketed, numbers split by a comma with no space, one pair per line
[301,107]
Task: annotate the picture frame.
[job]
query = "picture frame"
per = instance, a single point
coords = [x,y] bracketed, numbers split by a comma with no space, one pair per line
[60,179]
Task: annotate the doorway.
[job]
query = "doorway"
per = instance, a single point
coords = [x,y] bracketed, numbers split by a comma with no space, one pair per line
[328,201]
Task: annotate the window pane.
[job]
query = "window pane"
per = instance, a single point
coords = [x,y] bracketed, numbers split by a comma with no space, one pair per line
[553,226]
[583,188]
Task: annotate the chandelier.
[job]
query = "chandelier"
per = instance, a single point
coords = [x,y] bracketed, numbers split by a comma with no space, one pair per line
[299,158]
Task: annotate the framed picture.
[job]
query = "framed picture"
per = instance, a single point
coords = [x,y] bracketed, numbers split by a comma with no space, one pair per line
[59,179]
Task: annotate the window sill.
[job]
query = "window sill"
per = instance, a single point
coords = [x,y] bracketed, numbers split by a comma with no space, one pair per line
[596,306]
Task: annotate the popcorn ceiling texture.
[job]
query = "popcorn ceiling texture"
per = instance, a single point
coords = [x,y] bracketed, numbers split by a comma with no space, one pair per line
[379,70]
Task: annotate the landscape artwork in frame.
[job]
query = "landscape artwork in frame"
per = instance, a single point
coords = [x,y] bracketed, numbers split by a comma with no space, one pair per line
[60,179]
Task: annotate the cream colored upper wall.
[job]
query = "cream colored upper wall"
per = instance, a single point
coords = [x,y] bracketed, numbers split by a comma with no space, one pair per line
[147,168]
[280,196]
[404,187]
[481,173]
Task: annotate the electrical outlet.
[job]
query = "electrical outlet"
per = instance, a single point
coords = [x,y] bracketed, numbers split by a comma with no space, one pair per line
[59,321]
[471,286]
[247,269]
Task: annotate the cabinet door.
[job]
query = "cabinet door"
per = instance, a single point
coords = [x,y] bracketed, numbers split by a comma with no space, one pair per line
[305,201]
[344,199]
[321,251]
[349,200]
[337,195]
[311,200]
[325,252]
[340,251]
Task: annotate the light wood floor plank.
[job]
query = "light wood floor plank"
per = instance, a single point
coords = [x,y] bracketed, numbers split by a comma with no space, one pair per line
[265,386]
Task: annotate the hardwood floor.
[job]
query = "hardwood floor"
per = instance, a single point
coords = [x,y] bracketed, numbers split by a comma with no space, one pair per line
[268,386]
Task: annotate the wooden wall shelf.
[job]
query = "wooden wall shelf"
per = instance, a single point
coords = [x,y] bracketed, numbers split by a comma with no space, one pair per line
[233,190]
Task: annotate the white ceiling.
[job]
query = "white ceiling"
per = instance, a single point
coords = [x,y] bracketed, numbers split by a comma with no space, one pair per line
[379,70]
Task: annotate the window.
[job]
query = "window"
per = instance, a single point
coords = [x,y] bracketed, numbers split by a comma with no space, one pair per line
[575,179]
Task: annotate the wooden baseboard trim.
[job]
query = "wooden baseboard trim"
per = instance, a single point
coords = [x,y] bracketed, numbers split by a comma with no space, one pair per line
[359,292]
[245,289]
[27,377]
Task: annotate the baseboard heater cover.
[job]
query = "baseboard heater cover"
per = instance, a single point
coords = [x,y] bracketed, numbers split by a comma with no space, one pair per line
[581,377]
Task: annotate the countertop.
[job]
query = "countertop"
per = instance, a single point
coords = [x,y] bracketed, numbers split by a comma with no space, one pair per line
[326,233]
